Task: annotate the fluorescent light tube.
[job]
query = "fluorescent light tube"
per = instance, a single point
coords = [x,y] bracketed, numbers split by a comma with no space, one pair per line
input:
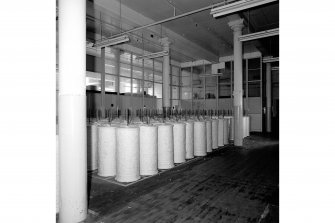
[112,42]
[154,55]
[259,35]
[270,59]
[237,6]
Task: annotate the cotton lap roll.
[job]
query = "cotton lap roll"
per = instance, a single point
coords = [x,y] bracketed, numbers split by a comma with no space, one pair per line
[107,151]
[220,132]
[92,146]
[165,146]
[209,135]
[200,138]
[148,150]
[215,123]
[246,125]
[189,140]
[127,154]
[225,131]
[179,142]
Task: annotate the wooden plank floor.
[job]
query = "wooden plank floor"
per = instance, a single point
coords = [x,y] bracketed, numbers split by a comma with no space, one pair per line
[231,185]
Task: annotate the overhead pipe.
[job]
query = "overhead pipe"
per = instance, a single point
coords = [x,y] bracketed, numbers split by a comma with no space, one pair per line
[173,18]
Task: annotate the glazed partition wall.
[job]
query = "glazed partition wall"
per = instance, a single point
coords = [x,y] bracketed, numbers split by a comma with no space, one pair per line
[130,82]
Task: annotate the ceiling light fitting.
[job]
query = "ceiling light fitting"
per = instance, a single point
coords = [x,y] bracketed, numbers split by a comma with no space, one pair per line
[259,35]
[270,59]
[237,6]
[112,41]
[154,55]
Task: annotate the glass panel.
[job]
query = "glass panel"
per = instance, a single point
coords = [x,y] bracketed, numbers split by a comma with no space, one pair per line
[148,63]
[137,72]
[186,76]
[210,92]
[244,70]
[125,57]
[148,75]
[110,66]
[198,92]
[198,82]
[175,92]
[148,88]
[125,85]
[254,75]
[254,89]
[111,83]
[158,77]
[224,90]
[137,86]
[175,80]
[158,66]
[254,63]
[136,61]
[111,52]
[208,69]
[175,71]
[186,93]
[211,81]
[125,70]
[158,90]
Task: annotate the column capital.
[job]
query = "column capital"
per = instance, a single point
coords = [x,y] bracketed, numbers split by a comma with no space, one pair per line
[236,25]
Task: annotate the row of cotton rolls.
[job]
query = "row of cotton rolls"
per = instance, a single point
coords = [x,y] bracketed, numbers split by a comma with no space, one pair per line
[130,151]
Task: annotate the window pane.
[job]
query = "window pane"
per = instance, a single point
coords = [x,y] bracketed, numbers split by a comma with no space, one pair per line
[254,75]
[158,77]
[111,83]
[148,88]
[137,72]
[148,75]
[125,85]
[125,57]
[210,92]
[211,81]
[110,66]
[137,86]
[175,71]
[175,80]
[158,90]
[254,89]
[186,93]
[254,63]
[186,76]
[158,66]
[224,90]
[148,63]
[124,70]
[175,92]
[137,61]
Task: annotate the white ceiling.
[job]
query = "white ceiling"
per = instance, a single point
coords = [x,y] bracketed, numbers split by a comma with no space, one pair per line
[213,36]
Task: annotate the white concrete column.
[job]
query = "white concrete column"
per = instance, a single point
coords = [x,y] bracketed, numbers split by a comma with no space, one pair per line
[72,111]
[268,97]
[103,82]
[166,76]
[237,26]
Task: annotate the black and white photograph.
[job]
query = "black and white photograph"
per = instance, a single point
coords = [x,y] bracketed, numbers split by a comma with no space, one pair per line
[165,111]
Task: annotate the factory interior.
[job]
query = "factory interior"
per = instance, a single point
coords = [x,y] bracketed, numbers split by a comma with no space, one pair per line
[168,111]
[175,91]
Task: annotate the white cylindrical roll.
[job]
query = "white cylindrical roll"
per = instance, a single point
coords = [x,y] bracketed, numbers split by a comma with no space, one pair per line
[148,150]
[246,126]
[220,132]
[209,135]
[127,154]
[215,123]
[225,131]
[189,140]
[106,151]
[200,138]
[92,146]
[165,146]
[179,142]
[231,127]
